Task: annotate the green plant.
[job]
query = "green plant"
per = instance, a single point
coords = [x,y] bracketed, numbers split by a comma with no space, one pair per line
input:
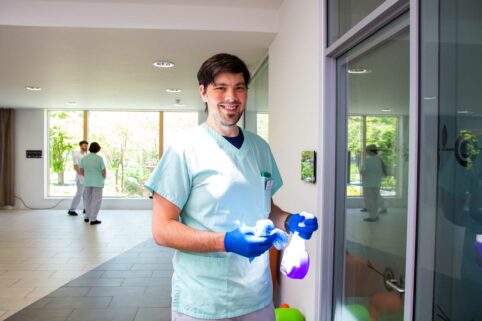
[60,146]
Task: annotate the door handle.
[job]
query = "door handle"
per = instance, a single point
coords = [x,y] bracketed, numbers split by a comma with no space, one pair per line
[393,283]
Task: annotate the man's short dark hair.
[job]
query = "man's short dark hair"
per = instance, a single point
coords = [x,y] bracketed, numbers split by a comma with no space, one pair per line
[220,63]
[82,142]
[94,147]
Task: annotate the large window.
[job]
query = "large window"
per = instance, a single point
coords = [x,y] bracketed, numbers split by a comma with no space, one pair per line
[175,124]
[65,132]
[130,148]
[131,145]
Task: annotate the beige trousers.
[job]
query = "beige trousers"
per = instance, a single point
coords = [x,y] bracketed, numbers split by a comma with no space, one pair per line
[264,314]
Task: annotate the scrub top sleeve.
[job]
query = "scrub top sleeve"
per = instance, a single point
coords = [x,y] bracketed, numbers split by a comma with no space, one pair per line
[171,178]
[275,174]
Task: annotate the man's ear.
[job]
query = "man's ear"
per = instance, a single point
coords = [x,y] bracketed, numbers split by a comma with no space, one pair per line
[202,91]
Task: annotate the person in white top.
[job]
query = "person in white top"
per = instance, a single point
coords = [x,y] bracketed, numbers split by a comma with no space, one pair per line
[372,172]
[79,178]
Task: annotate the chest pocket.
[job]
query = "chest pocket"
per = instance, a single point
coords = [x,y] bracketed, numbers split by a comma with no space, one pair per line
[267,186]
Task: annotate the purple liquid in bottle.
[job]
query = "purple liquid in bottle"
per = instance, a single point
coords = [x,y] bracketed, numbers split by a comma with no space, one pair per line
[296,261]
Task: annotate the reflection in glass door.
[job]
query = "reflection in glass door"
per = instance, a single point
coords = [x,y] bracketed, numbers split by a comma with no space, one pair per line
[371,204]
[449,256]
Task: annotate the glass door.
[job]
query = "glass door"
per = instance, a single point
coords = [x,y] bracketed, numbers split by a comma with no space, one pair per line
[371,202]
[449,256]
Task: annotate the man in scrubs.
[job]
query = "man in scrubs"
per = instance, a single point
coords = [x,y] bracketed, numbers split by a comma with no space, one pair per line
[218,179]
[79,179]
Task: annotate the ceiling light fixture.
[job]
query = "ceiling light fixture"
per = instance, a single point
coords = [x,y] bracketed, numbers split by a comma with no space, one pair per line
[464,112]
[386,110]
[33,88]
[359,71]
[430,98]
[173,90]
[163,64]
[71,103]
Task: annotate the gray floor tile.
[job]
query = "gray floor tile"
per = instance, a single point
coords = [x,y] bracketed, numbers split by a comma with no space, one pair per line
[111,266]
[79,302]
[95,282]
[141,301]
[153,267]
[41,315]
[40,304]
[128,254]
[157,291]
[128,274]
[163,273]
[103,315]
[135,259]
[69,291]
[113,291]
[153,314]
[92,274]
[147,281]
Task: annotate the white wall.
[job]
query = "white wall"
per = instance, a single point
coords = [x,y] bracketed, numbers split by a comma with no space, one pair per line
[294,105]
[30,133]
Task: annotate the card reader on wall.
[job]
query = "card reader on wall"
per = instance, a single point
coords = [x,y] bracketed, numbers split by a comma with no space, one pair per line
[34,153]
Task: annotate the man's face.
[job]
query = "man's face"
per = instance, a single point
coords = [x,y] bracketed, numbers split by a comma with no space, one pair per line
[226,99]
[83,147]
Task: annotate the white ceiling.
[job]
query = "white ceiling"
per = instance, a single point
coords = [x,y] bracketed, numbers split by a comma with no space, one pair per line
[99,54]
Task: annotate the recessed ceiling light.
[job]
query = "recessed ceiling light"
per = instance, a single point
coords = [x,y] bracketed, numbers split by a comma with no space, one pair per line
[359,71]
[464,112]
[33,88]
[173,90]
[430,98]
[386,110]
[72,103]
[163,64]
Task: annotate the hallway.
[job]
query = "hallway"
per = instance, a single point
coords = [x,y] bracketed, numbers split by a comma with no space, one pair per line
[82,272]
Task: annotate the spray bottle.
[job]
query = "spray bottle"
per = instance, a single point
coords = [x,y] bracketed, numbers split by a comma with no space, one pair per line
[296,261]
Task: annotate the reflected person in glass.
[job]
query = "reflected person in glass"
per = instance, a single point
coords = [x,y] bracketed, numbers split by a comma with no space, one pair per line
[372,172]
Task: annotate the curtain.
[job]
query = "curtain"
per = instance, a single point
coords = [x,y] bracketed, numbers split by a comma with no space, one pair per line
[7,157]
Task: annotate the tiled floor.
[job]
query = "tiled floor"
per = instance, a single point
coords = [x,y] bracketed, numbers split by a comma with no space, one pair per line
[134,286]
[41,251]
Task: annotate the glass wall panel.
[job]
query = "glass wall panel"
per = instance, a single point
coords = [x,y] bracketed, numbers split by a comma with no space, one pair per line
[449,260]
[372,133]
[130,148]
[65,131]
[256,114]
[344,14]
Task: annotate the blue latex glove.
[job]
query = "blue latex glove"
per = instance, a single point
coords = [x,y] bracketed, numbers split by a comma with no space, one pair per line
[247,244]
[304,230]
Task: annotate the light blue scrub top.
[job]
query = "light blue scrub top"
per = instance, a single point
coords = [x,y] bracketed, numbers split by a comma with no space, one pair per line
[216,185]
[93,166]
